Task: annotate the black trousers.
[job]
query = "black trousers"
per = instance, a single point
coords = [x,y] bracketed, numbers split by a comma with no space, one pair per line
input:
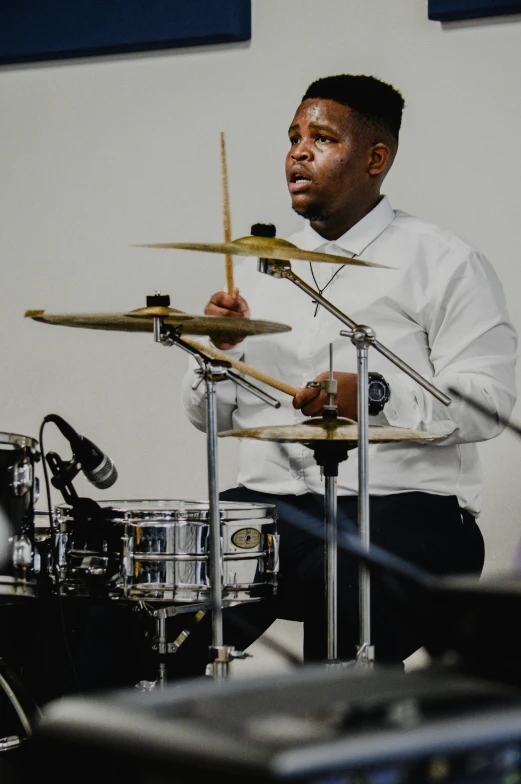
[111,646]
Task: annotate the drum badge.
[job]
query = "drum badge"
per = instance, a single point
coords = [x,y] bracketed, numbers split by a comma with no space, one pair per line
[246,538]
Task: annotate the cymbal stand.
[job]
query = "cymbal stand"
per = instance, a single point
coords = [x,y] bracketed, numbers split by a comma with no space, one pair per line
[362,336]
[211,371]
[328,455]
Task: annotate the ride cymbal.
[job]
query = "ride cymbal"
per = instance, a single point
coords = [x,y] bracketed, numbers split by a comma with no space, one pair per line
[188,324]
[262,247]
[320,429]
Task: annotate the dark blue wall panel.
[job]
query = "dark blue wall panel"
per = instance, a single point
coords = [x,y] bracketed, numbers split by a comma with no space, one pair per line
[50,29]
[448,10]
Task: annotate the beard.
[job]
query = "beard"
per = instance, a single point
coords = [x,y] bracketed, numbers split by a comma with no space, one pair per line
[313,212]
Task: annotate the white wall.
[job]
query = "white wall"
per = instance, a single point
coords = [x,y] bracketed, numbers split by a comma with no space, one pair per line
[96,154]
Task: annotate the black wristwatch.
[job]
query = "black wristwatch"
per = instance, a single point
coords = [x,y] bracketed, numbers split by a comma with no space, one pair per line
[379,393]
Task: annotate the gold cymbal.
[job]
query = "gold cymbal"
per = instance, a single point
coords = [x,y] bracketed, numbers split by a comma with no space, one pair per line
[320,429]
[158,310]
[212,326]
[262,247]
[107,321]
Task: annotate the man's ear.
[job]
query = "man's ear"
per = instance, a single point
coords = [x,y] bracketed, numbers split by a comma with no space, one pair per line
[380,159]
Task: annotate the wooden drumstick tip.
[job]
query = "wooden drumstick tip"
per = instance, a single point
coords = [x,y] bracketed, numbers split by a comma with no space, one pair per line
[230,287]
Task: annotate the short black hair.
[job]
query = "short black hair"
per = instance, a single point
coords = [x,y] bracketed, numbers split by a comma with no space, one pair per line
[379,104]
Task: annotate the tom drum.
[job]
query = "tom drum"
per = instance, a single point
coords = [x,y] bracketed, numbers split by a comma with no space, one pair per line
[18,454]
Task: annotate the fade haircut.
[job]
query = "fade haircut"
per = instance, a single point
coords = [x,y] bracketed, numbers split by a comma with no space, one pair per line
[378,105]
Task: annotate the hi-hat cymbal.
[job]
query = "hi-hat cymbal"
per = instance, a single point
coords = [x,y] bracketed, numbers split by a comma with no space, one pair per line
[320,429]
[262,247]
[188,324]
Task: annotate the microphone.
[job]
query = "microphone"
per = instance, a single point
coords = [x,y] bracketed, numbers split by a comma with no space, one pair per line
[97,466]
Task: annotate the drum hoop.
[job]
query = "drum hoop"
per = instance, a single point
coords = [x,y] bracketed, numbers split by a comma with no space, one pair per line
[17,440]
[143,511]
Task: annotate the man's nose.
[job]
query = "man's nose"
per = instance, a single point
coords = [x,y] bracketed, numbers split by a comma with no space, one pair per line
[301,151]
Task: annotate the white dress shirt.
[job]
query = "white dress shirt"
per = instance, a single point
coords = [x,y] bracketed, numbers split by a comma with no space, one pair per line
[441,309]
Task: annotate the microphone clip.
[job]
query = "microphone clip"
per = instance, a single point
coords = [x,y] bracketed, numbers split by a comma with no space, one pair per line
[63,472]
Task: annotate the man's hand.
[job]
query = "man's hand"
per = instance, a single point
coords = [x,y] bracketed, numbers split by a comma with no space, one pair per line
[311,400]
[222,304]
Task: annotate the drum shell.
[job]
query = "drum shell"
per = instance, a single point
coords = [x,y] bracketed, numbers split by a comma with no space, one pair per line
[74,569]
[18,455]
[163,551]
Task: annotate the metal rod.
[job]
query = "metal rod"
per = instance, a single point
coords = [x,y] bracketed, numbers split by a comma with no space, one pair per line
[363,500]
[162,647]
[330,506]
[290,275]
[242,382]
[219,668]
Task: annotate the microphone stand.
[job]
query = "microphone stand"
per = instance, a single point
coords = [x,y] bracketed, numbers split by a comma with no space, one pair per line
[211,371]
[362,337]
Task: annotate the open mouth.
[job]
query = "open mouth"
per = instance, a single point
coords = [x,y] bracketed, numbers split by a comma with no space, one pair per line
[298,182]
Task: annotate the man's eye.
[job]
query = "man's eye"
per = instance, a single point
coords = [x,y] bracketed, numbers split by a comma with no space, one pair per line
[294,139]
[323,138]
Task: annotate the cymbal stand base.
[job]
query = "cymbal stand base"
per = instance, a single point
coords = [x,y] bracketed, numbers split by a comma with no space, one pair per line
[339,664]
[365,656]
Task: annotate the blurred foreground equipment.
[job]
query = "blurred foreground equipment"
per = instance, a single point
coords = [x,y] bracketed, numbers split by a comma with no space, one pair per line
[350,725]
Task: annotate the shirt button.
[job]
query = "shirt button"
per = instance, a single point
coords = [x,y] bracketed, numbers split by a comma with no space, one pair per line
[295,475]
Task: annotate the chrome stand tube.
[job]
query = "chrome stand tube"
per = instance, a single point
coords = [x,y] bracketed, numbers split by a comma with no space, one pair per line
[220,668]
[330,505]
[365,652]
[162,646]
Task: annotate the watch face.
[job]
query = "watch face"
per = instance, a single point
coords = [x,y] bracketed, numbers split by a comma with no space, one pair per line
[377,392]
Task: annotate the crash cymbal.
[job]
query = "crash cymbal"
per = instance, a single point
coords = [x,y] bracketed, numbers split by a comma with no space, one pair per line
[188,324]
[340,429]
[263,247]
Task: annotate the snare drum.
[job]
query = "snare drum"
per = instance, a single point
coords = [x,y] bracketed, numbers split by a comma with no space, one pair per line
[18,455]
[158,551]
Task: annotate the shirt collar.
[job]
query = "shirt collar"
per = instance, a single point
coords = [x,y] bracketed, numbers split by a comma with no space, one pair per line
[359,236]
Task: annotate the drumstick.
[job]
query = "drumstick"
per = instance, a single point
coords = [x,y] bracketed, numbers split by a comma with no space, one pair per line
[226,219]
[242,367]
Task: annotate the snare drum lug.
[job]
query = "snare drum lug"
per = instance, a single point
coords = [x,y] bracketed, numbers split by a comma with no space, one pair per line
[272,565]
[22,552]
[127,549]
[36,489]
[21,479]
